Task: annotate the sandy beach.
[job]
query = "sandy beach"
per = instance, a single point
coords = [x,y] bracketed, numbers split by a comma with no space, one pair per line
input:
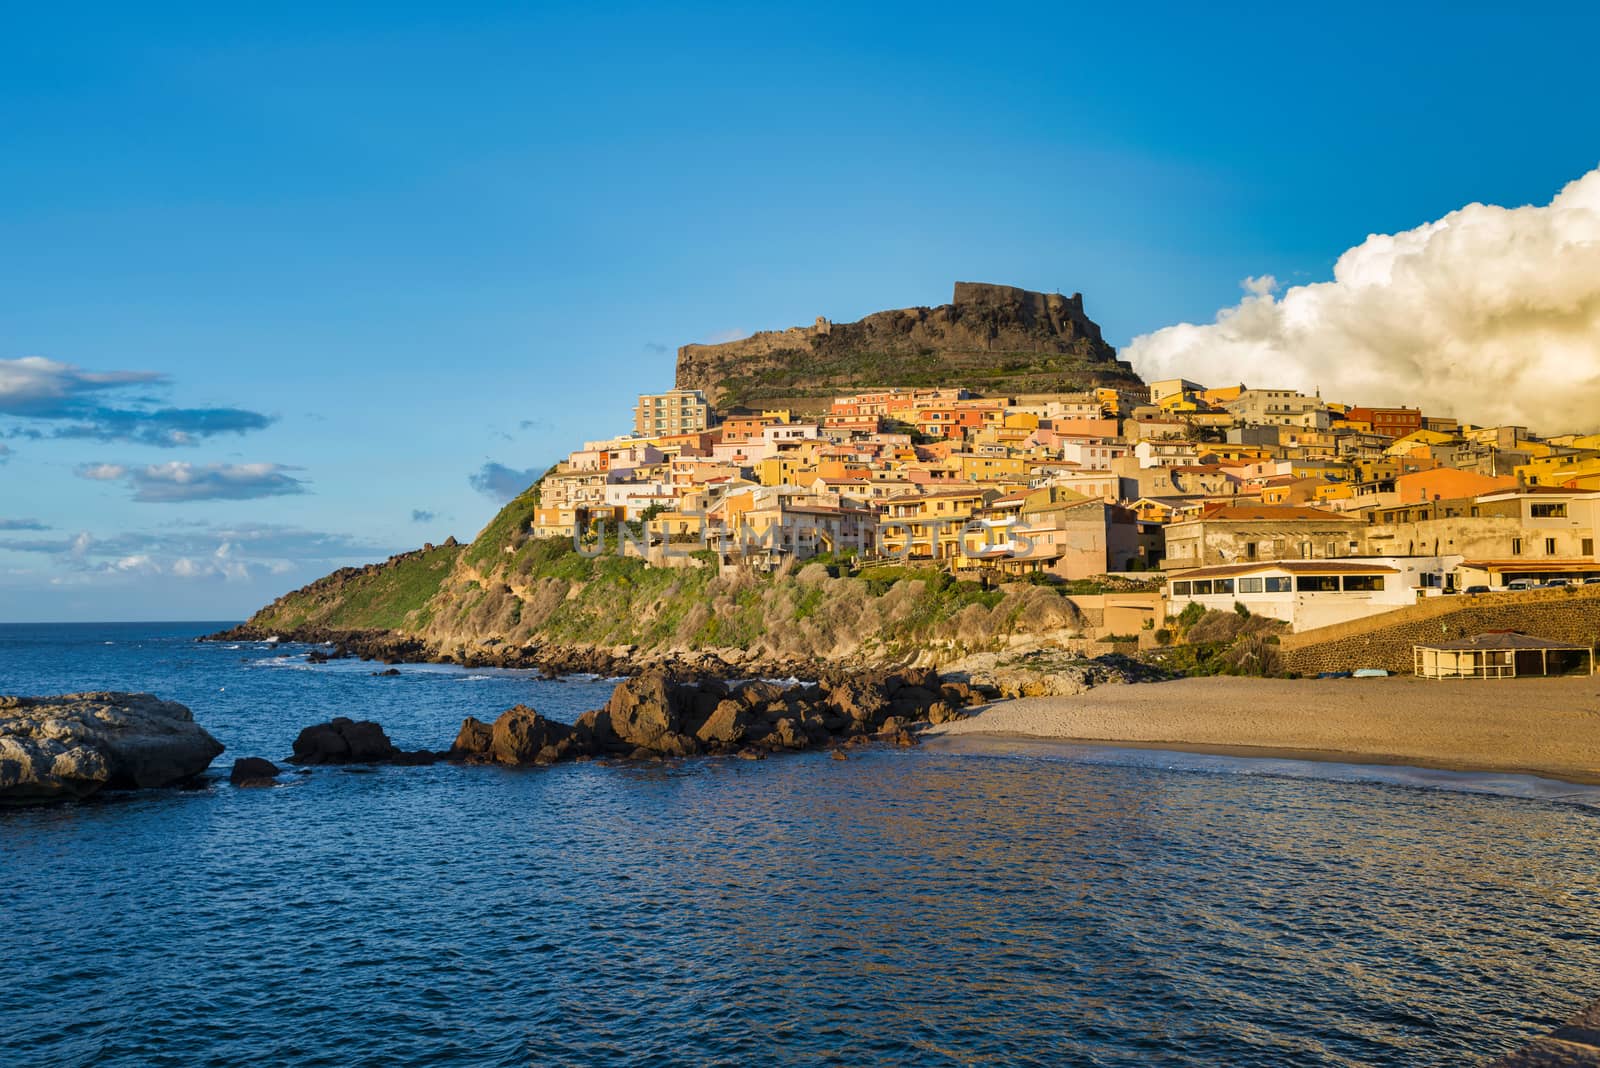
[1547,727]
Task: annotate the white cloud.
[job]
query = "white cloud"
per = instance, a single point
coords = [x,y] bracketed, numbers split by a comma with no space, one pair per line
[183,481]
[1489,314]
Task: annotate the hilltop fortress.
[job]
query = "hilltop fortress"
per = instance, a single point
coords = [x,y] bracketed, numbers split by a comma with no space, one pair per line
[991,338]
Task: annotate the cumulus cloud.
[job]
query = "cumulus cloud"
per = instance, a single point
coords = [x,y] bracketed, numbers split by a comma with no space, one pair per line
[22,524]
[229,552]
[421,515]
[502,482]
[58,400]
[1489,314]
[181,481]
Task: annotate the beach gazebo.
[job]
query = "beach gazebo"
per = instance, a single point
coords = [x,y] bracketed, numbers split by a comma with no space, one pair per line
[1501,654]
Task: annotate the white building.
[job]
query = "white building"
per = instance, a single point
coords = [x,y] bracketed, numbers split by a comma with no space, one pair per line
[1280,407]
[1303,593]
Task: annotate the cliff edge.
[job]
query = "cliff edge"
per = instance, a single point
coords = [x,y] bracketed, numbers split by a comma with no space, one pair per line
[989,338]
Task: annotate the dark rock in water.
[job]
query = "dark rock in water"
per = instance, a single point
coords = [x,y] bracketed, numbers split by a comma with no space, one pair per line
[643,711]
[521,734]
[727,725]
[388,673]
[253,771]
[61,748]
[472,741]
[346,741]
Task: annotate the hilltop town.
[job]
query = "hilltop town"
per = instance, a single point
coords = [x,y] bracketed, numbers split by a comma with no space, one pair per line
[749,522]
[1297,507]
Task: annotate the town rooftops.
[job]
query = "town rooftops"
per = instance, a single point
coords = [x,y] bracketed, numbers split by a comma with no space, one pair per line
[1269,512]
[1293,567]
[909,498]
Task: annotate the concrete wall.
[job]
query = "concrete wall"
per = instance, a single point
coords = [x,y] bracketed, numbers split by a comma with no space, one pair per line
[1387,641]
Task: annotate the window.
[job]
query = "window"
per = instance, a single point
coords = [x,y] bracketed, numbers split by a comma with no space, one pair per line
[1549,546]
[1250,585]
[1224,585]
[1549,511]
[1317,584]
[1516,546]
[1588,546]
[1202,587]
[1305,550]
[1363,583]
[1279,584]
[1181,589]
[1249,550]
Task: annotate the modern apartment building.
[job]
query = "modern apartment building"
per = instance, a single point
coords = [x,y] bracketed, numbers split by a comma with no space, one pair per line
[677,411]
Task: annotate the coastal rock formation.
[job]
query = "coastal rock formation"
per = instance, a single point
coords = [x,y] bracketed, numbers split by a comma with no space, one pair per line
[345,741]
[654,716]
[989,337]
[58,748]
[253,771]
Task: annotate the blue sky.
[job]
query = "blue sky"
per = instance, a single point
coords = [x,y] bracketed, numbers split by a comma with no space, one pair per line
[332,262]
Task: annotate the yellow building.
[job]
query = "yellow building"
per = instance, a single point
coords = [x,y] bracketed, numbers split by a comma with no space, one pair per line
[930,522]
[975,468]
[781,470]
[1580,471]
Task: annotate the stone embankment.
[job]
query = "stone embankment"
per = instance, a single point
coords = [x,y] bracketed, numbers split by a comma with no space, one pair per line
[74,745]
[1387,641]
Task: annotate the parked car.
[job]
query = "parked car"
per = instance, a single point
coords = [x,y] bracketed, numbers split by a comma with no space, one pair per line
[1517,585]
[1592,580]
[1471,590]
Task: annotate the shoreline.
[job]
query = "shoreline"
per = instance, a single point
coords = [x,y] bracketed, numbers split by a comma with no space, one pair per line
[1546,728]
[1267,752]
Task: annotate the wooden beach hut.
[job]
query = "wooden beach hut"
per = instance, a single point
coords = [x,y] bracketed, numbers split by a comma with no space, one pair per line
[1501,654]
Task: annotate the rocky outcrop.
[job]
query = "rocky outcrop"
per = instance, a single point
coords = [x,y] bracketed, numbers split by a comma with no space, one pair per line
[977,341]
[1575,1044]
[253,771]
[655,716]
[61,748]
[346,741]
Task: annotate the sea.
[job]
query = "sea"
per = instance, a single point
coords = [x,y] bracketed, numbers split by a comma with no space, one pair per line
[970,901]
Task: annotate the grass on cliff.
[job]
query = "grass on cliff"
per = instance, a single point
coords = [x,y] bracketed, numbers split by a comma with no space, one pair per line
[382,597]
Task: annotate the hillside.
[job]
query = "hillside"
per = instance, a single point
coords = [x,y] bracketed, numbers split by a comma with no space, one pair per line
[992,339]
[519,601]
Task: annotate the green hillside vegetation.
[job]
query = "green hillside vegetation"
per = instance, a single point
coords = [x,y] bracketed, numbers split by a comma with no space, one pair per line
[387,596]
[507,587]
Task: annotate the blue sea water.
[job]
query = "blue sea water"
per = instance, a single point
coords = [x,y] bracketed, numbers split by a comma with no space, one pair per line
[967,902]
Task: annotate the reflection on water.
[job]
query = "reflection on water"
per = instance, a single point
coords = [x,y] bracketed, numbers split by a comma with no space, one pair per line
[953,905]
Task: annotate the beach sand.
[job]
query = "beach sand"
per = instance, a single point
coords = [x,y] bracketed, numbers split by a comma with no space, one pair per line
[1547,727]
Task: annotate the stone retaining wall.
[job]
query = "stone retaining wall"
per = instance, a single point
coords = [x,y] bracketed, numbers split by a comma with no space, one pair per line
[1387,641]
